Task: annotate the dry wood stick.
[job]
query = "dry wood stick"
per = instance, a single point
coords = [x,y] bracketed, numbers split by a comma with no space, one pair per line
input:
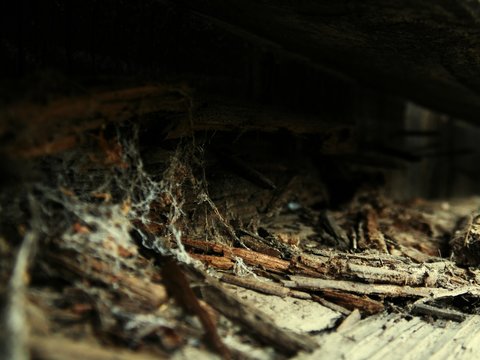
[315,284]
[264,287]
[383,269]
[250,257]
[253,320]
[447,314]
[352,301]
[218,262]
[330,305]
[179,288]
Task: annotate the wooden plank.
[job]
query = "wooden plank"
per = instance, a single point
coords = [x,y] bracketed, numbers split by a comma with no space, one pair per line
[376,336]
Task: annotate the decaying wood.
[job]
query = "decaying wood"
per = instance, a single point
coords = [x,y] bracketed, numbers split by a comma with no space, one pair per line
[253,320]
[447,314]
[383,269]
[264,287]
[250,257]
[348,279]
[346,41]
[315,284]
[352,302]
[331,305]
[218,262]
[179,288]
[373,238]
[349,321]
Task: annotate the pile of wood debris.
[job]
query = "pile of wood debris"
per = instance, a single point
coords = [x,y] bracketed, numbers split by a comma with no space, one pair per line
[191,248]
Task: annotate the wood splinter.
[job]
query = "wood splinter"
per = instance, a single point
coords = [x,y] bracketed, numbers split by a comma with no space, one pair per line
[265,287]
[447,314]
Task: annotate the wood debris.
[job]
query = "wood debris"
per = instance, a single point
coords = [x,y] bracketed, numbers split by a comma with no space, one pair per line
[446,314]
[145,255]
[465,243]
[255,321]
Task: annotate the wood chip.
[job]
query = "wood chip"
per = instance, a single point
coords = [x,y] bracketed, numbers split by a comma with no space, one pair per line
[179,288]
[349,321]
[264,287]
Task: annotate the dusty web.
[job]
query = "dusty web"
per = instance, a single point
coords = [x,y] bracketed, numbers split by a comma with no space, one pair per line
[95,205]
[86,207]
[95,197]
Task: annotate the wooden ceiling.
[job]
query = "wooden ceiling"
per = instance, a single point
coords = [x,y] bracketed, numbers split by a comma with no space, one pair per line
[424,51]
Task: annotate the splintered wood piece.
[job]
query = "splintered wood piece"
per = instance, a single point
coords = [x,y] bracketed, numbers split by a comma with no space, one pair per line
[368,268]
[315,284]
[331,305]
[372,235]
[333,229]
[264,287]
[205,246]
[258,246]
[352,302]
[447,314]
[411,253]
[250,257]
[179,288]
[218,262]
[372,274]
[384,268]
[253,320]
[253,258]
